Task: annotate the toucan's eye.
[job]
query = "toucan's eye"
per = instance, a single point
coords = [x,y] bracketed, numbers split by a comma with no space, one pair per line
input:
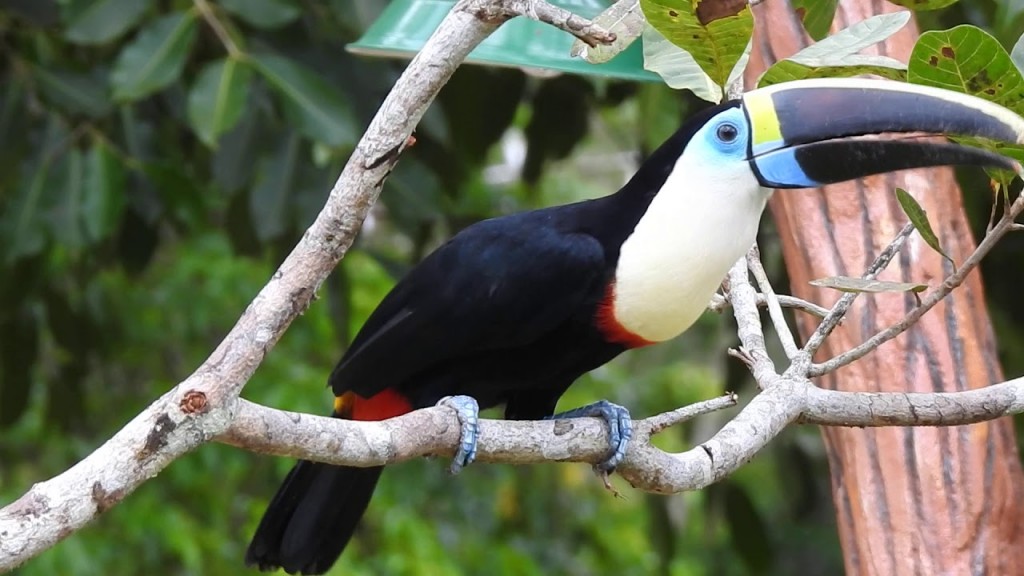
[727,132]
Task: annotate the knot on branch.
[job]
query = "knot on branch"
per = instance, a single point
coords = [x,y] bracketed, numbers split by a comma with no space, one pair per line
[588,32]
[194,402]
[105,499]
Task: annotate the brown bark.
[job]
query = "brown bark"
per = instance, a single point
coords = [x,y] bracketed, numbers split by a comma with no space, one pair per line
[908,500]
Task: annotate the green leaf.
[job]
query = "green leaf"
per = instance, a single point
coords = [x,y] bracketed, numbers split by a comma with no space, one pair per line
[104,192]
[23,222]
[100,21]
[155,58]
[849,41]
[850,284]
[66,186]
[677,67]
[14,125]
[74,92]
[625,20]
[659,114]
[919,218]
[1000,184]
[217,99]
[18,358]
[1006,15]
[787,71]
[564,102]
[238,150]
[967,59]
[181,194]
[716,42]
[1017,54]
[38,13]
[680,70]
[817,16]
[922,5]
[312,185]
[275,177]
[741,65]
[263,13]
[314,107]
[837,55]
[413,195]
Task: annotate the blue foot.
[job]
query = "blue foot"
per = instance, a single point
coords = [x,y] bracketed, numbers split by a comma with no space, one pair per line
[468,412]
[620,429]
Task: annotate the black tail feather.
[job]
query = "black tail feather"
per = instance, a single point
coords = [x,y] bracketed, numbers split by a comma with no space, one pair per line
[312,517]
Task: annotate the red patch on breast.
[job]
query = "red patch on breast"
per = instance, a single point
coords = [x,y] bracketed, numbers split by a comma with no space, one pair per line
[609,326]
[381,406]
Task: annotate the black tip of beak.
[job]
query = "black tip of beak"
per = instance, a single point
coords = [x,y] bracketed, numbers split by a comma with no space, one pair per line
[841,160]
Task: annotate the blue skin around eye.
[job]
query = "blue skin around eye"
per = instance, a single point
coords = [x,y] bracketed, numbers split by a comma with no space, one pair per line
[735,150]
[778,168]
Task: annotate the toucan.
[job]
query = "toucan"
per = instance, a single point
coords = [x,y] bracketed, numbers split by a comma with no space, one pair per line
[512,310]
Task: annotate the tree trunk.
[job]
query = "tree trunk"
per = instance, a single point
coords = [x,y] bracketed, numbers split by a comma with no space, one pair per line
[908,500]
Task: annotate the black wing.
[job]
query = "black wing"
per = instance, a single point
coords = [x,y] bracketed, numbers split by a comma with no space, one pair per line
[500,283]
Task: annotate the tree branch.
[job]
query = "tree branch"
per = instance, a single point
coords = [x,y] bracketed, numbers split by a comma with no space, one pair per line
[204,404]
[719,303]
[435,432]
[1005,225]
[774,307]
[591,34]
[838,312]
[748,325]
[836,408]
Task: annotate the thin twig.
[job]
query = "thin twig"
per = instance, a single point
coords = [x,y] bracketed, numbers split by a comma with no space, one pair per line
[741,355]
[748,325]
[801,304]
[841,307]
[591,34]
[662,421]
[774,308]
[719,303]
[954,280]
[218,28]
[995,208]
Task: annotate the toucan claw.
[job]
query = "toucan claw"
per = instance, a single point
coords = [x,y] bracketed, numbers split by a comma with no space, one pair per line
[620,430]
[468,412]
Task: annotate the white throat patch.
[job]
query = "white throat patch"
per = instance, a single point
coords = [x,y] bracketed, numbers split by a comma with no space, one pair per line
[700,223]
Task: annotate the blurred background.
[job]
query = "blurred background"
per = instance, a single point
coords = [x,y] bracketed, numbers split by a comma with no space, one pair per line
[136,225]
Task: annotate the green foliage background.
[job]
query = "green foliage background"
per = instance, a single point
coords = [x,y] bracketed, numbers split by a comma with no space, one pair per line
[159,158]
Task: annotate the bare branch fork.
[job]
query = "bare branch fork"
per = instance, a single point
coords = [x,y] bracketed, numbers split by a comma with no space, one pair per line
[206,406]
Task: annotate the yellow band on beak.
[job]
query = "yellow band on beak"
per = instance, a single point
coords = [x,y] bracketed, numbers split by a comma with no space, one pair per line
[764,121]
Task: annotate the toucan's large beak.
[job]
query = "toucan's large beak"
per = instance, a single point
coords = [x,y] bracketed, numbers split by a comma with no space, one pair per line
[805,133]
